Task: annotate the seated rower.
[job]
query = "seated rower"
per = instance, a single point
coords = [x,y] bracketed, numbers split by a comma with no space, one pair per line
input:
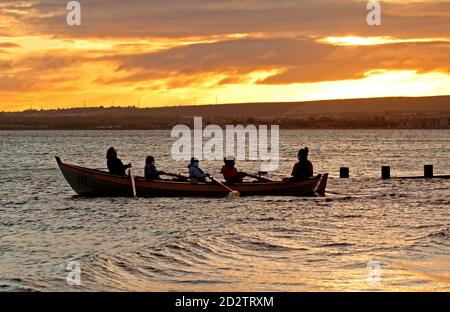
[303,170]
[115,165]
[196,174]
[151,173]
[230,173]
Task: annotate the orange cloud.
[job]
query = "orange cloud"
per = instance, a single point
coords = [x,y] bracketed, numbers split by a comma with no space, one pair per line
[168,52]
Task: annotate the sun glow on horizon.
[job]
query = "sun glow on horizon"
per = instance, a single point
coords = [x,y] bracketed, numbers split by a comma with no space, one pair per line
[377,83]
[371,41]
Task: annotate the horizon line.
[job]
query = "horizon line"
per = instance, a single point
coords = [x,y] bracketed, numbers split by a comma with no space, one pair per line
[134,106]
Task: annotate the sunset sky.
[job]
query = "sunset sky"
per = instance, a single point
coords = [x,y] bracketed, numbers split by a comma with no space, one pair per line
[180,52]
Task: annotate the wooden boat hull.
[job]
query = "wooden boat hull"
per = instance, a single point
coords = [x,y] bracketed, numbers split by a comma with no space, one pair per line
[95,183]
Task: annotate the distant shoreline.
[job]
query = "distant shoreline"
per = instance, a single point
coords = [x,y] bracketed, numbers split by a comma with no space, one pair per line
[359,101]
[375,113]
[167,129]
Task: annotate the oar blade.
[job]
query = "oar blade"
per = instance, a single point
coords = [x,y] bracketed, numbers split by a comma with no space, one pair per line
[233,195]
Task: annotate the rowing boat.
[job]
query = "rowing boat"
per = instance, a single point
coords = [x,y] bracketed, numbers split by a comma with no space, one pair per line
[96,183]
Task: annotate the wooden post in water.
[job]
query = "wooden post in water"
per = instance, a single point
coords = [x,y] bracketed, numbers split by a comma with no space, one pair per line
[428,171]
[344,173]
[385,172]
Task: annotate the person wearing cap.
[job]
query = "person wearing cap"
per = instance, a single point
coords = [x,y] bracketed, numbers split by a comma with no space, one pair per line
[115,165]
[151,173]
[303,170]
[229,171]
[196,174]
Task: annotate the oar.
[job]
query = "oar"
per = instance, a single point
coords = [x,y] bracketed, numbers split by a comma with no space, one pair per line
[179,176]
[234,192]
[258,178]
[133,184]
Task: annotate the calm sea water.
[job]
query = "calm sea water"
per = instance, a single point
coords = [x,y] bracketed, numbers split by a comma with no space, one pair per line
[246,244]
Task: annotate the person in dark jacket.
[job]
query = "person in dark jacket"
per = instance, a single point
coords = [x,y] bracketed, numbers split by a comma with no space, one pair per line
[115,165]
[151,173]
[196,174]
[303,170]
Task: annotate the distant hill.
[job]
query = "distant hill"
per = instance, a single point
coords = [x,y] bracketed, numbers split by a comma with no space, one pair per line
[291,109]
[374,105]
[294,114]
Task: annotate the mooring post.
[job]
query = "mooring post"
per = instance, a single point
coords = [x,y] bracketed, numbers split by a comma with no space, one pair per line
[385,172]
[428,171]
[344,173]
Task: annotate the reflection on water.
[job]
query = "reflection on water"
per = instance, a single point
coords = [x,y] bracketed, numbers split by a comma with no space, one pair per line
[252,244]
